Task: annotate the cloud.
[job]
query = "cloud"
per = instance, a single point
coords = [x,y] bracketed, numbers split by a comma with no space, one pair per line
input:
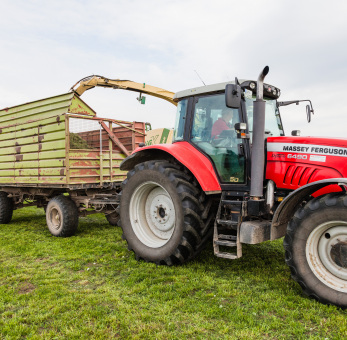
[47,46]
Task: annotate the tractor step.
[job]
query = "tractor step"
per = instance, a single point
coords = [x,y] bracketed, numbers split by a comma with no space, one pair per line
[224,225]
[227,237]
[225,243]
[227,222]
[227,255]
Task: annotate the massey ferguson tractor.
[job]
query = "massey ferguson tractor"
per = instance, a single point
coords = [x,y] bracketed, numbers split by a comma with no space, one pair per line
[232,176]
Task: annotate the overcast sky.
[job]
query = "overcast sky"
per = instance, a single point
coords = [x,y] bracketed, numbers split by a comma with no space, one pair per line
[47,46]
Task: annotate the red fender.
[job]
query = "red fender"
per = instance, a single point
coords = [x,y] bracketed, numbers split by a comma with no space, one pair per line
[185,153]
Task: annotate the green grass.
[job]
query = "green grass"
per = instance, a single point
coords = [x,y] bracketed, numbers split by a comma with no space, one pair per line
[90,287]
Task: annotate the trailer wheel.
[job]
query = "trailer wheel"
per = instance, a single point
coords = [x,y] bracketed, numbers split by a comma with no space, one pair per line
[163,213]
[316,249]
[6,208]
[62,216]
[113,218]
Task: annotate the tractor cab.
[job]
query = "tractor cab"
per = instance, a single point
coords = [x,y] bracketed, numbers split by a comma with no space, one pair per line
[222,133]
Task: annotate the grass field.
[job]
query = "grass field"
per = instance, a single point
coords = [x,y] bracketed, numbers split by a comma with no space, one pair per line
[90,287]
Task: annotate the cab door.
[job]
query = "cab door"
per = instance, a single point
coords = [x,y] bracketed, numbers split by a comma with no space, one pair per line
[212,131]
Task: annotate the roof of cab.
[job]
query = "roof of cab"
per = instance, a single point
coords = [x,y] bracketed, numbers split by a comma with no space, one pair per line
[203,89]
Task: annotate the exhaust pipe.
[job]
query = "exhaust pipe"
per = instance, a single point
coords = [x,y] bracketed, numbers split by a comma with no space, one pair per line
[258,154]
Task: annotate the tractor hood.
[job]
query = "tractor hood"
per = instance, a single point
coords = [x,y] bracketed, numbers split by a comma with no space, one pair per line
[295,161]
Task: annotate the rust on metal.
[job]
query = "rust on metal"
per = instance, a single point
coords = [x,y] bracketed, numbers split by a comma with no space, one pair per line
[35,148]
[121,123]
[115,139]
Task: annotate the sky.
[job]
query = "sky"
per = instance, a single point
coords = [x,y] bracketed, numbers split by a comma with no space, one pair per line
[47,46]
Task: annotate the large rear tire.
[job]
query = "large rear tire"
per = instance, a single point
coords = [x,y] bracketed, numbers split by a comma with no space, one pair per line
[62,216]
[164,213]
[316,249]
[6,208]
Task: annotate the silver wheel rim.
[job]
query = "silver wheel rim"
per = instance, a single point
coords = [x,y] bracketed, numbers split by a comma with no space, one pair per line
[152,214]
[55,219]
[326,254]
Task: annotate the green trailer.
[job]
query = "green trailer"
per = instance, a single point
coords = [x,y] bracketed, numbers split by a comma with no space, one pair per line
[57,154]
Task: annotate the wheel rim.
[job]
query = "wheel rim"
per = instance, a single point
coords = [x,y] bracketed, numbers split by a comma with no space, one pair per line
[55,219]
[326,253]
[152,214]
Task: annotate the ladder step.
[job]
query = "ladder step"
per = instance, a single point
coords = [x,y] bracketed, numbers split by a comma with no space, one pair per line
[225,243]
[226,222]
[226,255]
[227,237]
[227,240]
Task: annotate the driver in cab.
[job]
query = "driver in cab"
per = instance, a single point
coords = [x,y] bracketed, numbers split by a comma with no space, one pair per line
[222,123]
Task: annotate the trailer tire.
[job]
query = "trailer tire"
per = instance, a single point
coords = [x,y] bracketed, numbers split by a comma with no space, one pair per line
[316,249]
[164,213]
[62,216]
[6,208]
[113,218]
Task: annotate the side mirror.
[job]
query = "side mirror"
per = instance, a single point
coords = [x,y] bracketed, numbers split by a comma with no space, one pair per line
[233,96]
[308,113]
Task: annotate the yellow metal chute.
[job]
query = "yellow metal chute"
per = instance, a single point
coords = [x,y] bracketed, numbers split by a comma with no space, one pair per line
[92,81]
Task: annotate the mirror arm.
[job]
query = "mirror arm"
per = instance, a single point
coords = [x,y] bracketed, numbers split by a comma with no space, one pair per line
[295,102]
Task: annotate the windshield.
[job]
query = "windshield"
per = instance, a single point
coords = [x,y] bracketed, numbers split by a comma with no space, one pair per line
[273,124]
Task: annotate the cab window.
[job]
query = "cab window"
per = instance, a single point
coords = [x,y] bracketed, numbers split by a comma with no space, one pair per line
[213,132]
[182,107]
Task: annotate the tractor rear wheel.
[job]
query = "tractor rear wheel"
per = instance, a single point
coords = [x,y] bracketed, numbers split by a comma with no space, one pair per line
[6,208]
[316,249]
[62,216]
[164,213]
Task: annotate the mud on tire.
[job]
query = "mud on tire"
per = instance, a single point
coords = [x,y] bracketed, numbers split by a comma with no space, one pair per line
[164,213]
[316,248]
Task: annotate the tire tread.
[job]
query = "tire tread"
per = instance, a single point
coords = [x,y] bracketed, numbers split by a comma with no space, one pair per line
[196,210]
[327,201]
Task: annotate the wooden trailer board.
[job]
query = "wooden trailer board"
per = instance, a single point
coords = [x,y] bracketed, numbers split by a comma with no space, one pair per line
[59,142]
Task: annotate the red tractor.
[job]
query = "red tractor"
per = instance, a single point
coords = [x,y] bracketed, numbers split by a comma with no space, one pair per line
[232,175]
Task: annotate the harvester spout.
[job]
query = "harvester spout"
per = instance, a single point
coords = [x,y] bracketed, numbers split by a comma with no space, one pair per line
[258,157]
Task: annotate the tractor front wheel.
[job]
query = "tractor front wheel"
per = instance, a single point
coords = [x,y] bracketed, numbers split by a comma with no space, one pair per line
[316,249]
[163,213]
